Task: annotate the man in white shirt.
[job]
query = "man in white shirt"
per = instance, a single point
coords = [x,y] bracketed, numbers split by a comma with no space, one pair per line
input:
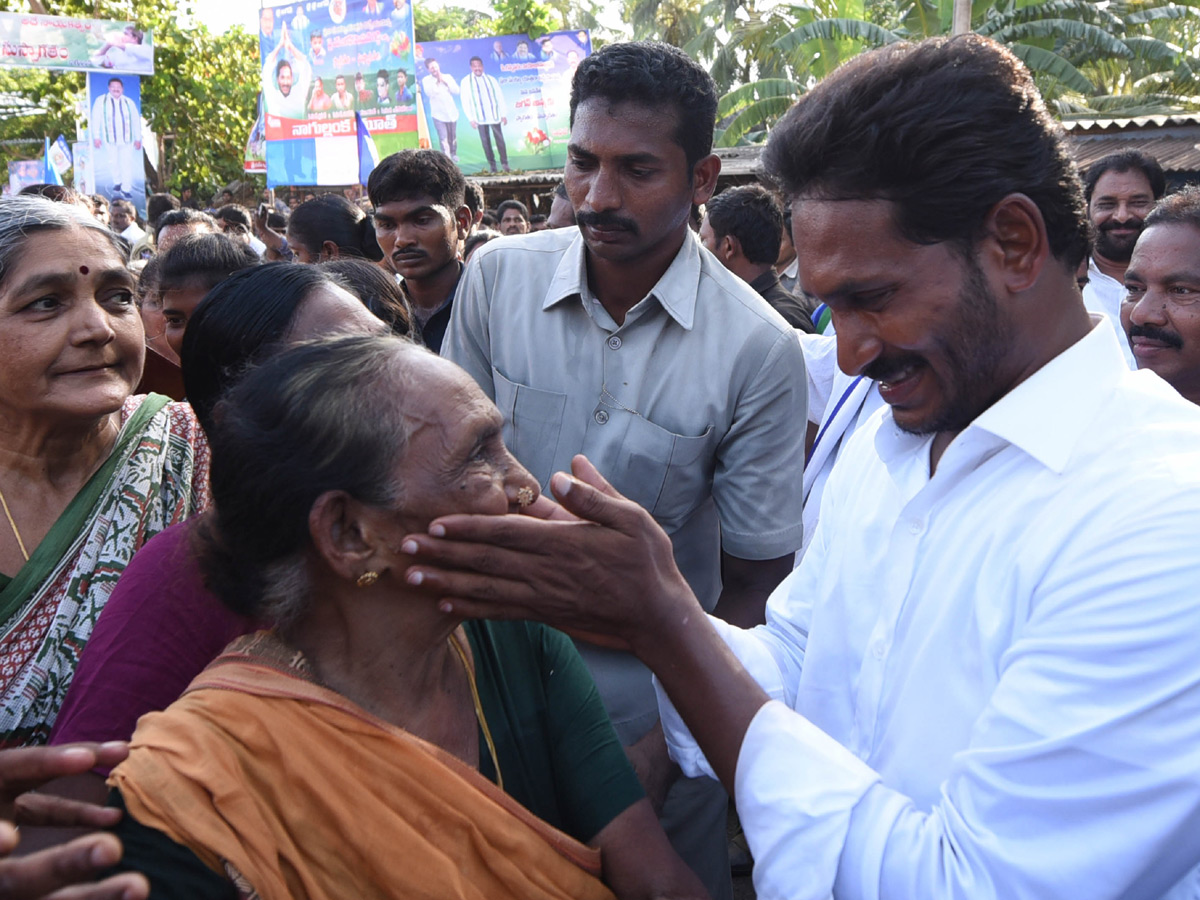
[116,127]
[1120,190]
[286,75]
[441,91]
[1161,312]
[982,680]
[486,110]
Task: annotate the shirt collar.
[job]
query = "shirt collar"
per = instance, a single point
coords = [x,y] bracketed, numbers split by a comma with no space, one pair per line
[675,291]
[1046,415]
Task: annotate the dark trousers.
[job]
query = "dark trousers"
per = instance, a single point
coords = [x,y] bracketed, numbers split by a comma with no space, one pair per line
[485,138]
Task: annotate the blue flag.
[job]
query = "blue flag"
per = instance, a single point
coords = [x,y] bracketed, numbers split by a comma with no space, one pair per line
[49,172]
[368,156]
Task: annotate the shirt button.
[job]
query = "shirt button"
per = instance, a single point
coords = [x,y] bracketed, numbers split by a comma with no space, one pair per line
[614,343]
[601,416]
[879,650]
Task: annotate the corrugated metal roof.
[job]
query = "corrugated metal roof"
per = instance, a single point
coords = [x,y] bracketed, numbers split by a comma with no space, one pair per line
[1173,140]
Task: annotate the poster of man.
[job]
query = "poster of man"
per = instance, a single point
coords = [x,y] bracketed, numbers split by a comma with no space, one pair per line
[322,61]
[115,130]
[511,94]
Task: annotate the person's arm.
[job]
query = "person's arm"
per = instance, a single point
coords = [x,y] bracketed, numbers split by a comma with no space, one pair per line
[758,482]
[136,117]
[638,860]
[77,863]
[468,336]
[1079,776]
[502,103]
[745,586]
[468,103]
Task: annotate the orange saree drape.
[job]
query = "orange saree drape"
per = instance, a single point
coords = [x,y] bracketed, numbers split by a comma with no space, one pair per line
[305,795]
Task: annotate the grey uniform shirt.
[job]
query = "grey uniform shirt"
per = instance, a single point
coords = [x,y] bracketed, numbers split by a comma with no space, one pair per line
[695,407]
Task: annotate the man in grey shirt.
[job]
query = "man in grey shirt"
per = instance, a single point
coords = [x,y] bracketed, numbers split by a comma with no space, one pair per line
[624,339]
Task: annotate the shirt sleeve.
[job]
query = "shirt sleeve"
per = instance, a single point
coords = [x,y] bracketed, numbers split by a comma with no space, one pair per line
[594,778]
[758,482]
[1079,778]
[468,101]
[468,337]
[820,365]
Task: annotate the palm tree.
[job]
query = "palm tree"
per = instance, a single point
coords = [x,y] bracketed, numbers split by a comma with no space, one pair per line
[1127,57]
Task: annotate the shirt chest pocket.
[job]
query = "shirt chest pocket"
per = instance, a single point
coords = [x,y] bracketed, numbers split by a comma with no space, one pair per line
[532,424]
[669,474]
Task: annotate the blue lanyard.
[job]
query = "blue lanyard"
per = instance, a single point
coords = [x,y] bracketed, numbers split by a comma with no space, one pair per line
[836,409]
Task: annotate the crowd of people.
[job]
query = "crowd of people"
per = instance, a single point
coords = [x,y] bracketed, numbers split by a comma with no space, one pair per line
[476,561]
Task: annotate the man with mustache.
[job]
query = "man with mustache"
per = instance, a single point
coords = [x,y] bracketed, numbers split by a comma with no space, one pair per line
[981,681]
[1120,189]
[1161,310]
[421,216]
[625,340]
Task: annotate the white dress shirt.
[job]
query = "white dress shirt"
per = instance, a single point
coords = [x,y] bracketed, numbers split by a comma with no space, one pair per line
[441,97]
[986,684]
[1103,295]
[483,100]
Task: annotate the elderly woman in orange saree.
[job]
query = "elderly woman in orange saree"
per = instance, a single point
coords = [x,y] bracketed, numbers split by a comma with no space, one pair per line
[370,745]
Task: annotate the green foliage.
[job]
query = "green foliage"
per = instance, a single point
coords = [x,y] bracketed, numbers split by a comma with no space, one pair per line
[200,101]
[531,17]
[447,23]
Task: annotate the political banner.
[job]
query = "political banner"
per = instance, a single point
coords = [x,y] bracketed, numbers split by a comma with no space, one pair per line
[22,173]
[322,62]
[115,130]
[59,42]
[60,155]
[501,103]
[255,157]
[85,176]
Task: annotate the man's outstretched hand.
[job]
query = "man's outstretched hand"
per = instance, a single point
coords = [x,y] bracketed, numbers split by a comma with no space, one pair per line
[599,567]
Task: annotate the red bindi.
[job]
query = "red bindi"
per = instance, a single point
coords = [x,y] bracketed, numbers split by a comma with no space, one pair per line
[83,270]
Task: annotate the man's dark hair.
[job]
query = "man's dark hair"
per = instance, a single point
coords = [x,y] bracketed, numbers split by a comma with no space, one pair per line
[279,67]
[513,204]
[654,75]
[475,59]
[417,173]
[1179,208]
[117,80]
[156,206]
[184,216]
[537,219]
[316,33]
[560,191]
[203,259]
[489,220]
[235,215]
[376,289]
[474,198]
[943,129]
[382,73]
[358,76]
[753,215]
[1126,161]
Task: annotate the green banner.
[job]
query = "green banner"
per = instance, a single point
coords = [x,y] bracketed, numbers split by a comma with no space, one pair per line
[58,42]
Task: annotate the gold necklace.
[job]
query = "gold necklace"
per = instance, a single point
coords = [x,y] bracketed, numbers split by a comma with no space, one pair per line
[483,725]
[20,543]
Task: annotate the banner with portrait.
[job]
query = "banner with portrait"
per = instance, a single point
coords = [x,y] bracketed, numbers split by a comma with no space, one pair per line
[501,103]
[115,132]
[323,61]
[22,173]
[59,42]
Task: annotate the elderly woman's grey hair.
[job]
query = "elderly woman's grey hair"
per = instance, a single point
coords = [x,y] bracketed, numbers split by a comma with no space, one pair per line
[321,416]
[24,216]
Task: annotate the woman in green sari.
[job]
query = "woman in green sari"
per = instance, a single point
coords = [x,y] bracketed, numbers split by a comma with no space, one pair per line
[88,473]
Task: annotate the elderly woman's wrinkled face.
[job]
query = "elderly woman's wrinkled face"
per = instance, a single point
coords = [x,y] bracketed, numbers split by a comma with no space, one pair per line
[70,334]
[456,460]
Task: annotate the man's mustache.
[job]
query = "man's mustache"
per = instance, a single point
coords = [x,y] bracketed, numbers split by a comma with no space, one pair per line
[1170,338]
[885,370]
[606,220]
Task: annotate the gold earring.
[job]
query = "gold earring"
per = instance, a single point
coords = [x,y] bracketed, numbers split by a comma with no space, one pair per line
[366,579]
[524,497]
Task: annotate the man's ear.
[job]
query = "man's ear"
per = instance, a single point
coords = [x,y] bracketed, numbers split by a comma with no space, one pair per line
[1015,242]
[462,221]
[329,250]
[731,247]
[704,178]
